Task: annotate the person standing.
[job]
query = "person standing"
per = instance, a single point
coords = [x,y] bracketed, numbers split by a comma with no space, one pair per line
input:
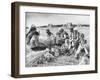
[35,39]
[82,48]
[49,39]
[29,35]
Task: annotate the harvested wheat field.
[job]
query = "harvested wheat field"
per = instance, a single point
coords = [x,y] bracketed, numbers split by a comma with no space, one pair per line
[36,58]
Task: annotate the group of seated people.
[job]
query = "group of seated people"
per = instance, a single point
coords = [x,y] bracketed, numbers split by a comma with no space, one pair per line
[61,43]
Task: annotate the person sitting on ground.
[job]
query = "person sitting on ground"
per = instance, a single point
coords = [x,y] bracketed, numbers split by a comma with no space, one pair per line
[35,43]
[65,48]
[48,56]
[58,39]
[61,35]
[55,51]
[76,39]
[71,35]
[65,35]
[71,39]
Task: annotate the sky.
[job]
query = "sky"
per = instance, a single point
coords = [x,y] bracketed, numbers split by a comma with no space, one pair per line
[40,19]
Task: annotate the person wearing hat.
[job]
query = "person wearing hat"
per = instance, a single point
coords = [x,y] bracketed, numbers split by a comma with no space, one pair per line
[33,28]
[30,33]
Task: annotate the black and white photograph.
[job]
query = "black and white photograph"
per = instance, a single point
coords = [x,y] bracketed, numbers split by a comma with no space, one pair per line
[55,39]
[52,39]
